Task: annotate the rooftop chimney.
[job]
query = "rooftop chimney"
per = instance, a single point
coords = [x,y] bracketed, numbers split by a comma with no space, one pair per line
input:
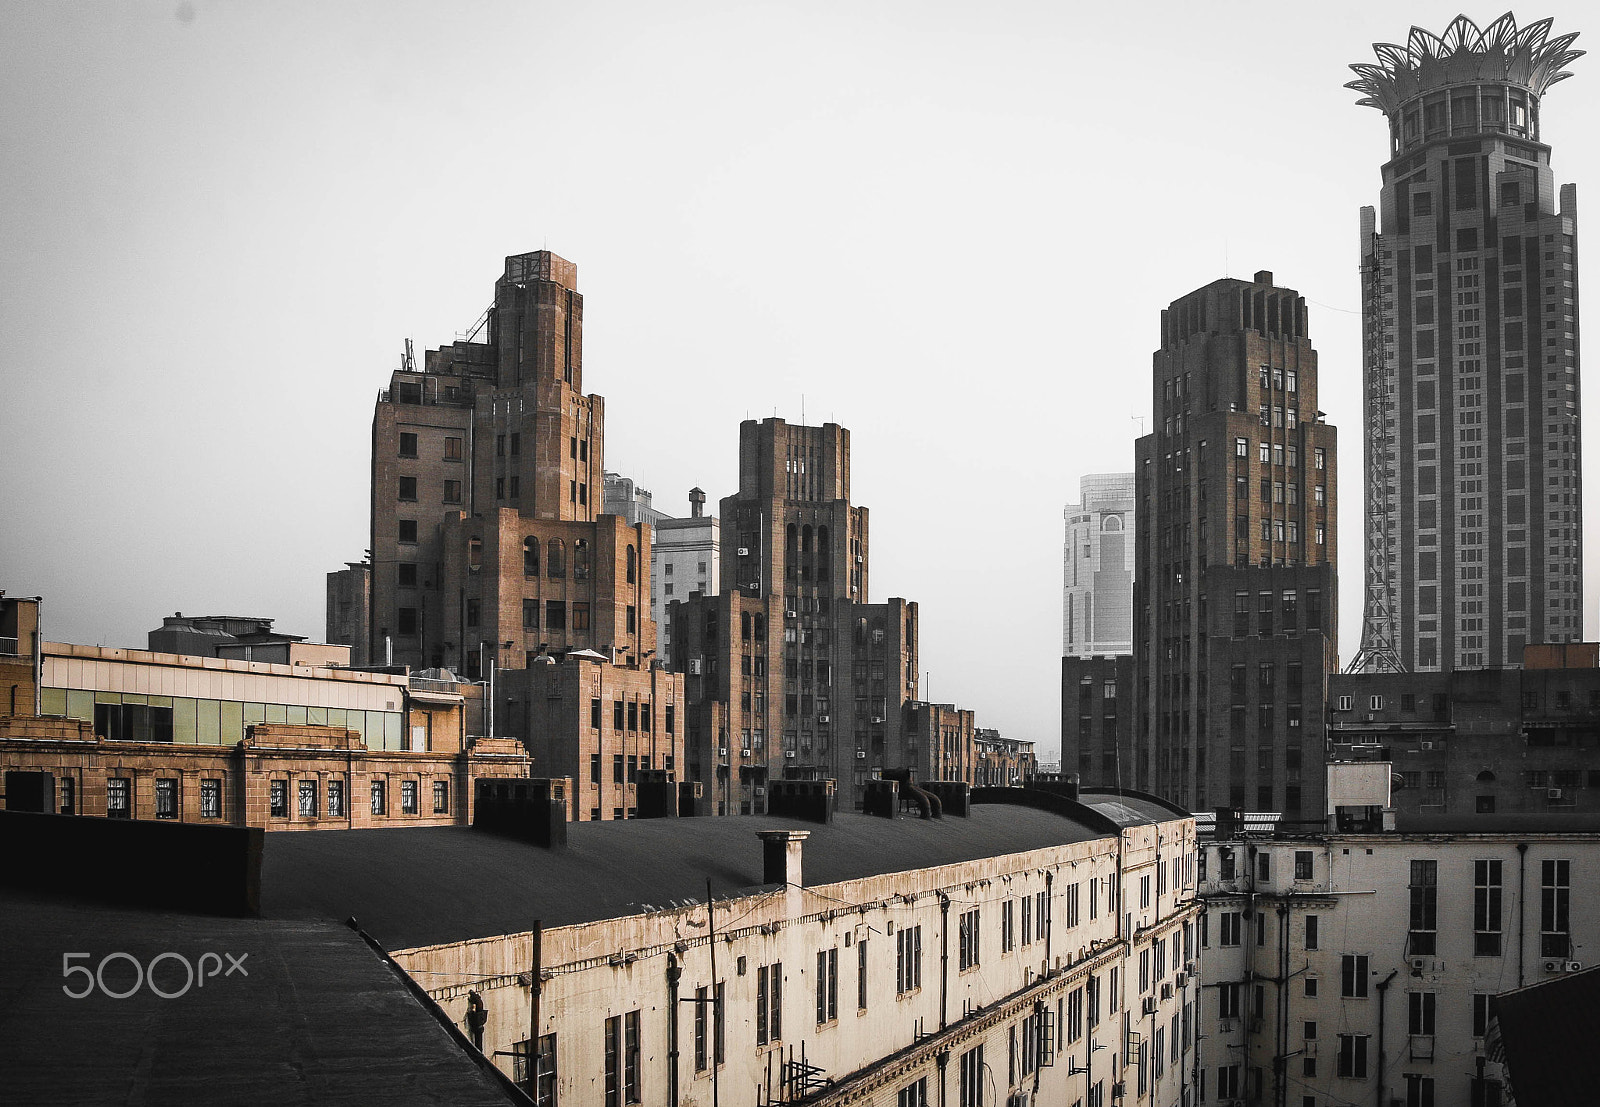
[697,503]
[780,856]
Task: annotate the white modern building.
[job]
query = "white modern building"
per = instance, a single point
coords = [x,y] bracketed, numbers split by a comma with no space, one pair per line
[685,554]
[1097,568]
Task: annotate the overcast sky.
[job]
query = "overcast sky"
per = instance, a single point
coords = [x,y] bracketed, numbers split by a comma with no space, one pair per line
[950,227]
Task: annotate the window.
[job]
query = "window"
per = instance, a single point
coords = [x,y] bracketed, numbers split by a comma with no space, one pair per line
[1241,447]
[211,799]
[1480,1014]
[701,1003]
[408,489]
[1229,1084]
[452,491]
[1424,907]
[336,799]
[908,959]
[278,799]
[1302,864]
[166,798]
[1074,1028]
[827,985]
[452,449]
[408,797]
[543,1086]
[380,797]
[1353,976]
[530,557]
[1228,928]
[1072,905]
[408,444]
[971,1087]
[1486,902]
[1421,1007]
[1313,932]
[308,799]
[408,531]
[1555,892]
[861,975]
[913,1095]
[769,1003]
[555,614]
[1419,1090]
[968,926]
[1027,920]
[1008,923]
[1353,1055]
[622,1060]
[441,797]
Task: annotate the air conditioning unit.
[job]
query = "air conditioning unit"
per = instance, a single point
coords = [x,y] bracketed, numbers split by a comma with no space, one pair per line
[744,551]
[877,718]
[1555,966]
[861,755]
[1149,1006]
[1118,1090]
[822,718]
[722,751]
[1020,1099]
[1419,964]
[761,790]
[694,666]
[788,753]
[1181,979]
[1552,793]
[1190,967]
[1166,991]
[1574,966]
[1227,1026]
[859,559]
[755,586]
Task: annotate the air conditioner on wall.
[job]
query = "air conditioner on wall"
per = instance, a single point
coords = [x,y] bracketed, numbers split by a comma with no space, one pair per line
[1555,966]
[1149,1006]
[861,755]
[722,751]
[694,666]
[788,753]
[1574,966]
[822,719]
[744,551]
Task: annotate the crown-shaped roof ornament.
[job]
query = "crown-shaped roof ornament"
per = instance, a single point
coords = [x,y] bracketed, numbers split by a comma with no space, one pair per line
[1465,53]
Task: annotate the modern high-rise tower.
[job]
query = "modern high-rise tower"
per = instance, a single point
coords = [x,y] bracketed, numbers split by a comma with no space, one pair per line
[1097,568]
[1235,594]
[1474,534]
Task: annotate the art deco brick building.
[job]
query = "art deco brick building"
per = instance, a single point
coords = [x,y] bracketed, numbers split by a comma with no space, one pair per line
[1235,593]
[790,670]
[487,536]
[1474,536]
[491,553]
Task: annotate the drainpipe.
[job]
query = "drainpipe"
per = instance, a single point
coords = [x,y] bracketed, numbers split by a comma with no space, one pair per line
[38,658]
[1522,911]
[534,997]
[674,973]
[1383,987]
[1049,927]
[944,957]
[1280,1062]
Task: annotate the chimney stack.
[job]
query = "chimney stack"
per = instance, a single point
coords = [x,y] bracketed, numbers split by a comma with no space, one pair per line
[780,856]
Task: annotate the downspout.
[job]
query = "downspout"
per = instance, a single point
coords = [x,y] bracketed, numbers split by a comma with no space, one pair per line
[674,973]
[1522,911]
[1383,987]
[944,957]
[1280,1062]
[1049,918]
[534,998]
[38,658]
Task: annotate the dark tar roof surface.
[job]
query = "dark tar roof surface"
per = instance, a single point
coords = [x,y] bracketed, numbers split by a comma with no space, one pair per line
[311,1016]
[433,885]
[1548,1032]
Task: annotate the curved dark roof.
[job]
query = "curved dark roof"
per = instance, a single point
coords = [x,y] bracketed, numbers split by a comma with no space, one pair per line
[1128,807]
[433,885]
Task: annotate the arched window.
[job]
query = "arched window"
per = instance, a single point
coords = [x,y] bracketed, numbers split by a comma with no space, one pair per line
[580,560]
[744,625]
[1111,522]
[474,552]
[824,554]
[555,561]
[530,557]
[1485,777]
[805,539]
[788,539]
[633,565]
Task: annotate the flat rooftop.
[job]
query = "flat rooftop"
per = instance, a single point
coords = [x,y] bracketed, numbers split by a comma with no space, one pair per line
[320,1018]
[432,885]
